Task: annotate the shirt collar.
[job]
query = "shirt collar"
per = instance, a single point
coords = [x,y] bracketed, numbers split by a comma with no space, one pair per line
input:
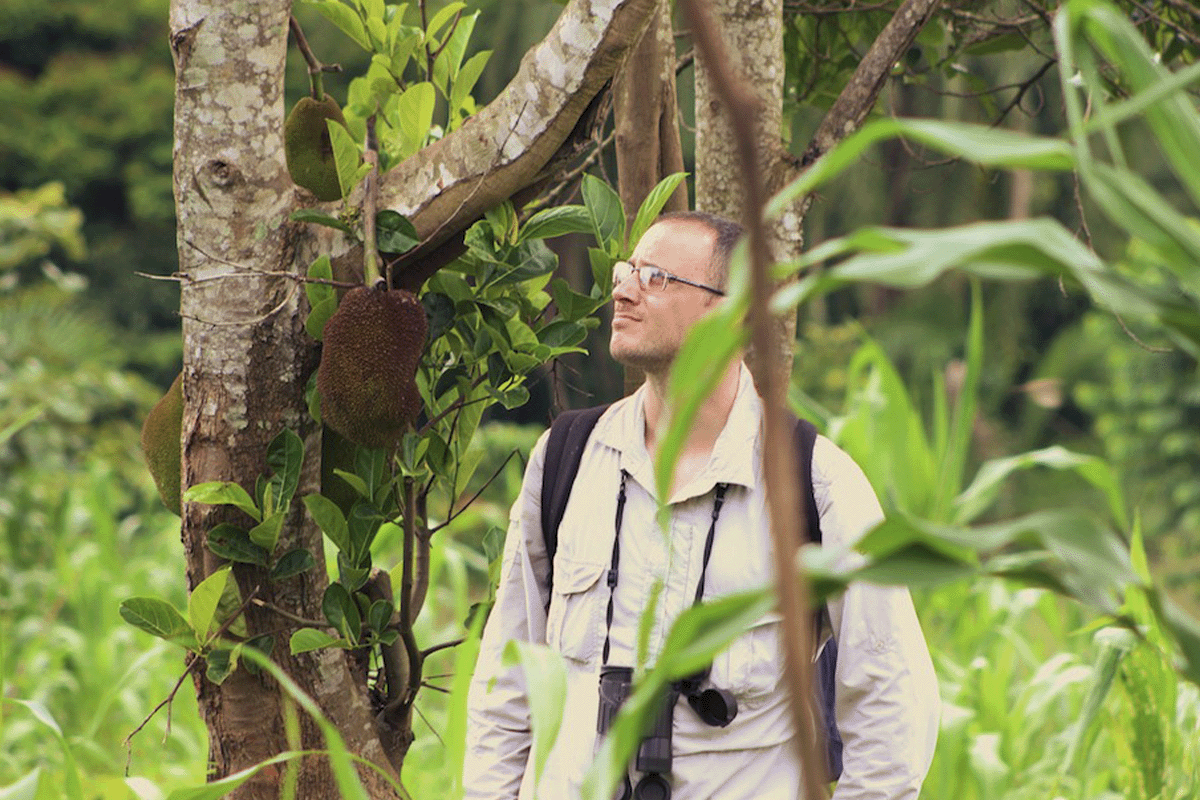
[735,456]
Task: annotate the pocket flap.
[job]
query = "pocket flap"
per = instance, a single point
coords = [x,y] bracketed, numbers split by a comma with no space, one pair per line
[572,576]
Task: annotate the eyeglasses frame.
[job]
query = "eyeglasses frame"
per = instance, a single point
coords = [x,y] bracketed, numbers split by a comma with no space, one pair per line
[670,276]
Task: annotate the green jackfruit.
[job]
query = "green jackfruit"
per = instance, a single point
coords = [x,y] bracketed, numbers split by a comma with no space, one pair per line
[161,434]
[307,147]
[372,345]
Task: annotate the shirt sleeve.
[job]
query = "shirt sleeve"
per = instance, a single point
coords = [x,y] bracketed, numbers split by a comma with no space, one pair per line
[498,726]
[887,702]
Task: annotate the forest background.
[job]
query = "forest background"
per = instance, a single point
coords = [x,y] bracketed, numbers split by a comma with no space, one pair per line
[88,341]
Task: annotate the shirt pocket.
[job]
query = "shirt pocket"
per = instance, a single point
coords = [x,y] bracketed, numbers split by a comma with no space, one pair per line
[752,667]
[575,618]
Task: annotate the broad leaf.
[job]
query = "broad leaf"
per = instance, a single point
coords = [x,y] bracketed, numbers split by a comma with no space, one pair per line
[557,221]
[233,543]
[158,618]
[608,218]
[217,493]
[341,611]
[285,456]
[347,157]
[329,519]
[651,206]
[394,233]
[203,602]
[308,639]
[266,533]
[292,563]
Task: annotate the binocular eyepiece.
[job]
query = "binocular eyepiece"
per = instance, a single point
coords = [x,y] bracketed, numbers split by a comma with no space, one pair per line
[715,706]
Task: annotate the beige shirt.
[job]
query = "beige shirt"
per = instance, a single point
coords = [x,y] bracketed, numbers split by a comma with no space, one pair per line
[887,698]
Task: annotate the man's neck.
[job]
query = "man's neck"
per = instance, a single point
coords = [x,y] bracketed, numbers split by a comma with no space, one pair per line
[710,419]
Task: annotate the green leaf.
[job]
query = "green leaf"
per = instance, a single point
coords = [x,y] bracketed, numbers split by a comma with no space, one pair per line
[347,157]
[216,493]
[651,206]
[220,663]
[983,490]
[356,483]
[73,787]
[292,563]
[26,787]
[608,218]
[413,116]
[202,604]
[557,221]
[562,333]
[158,618]
[285,456]
[266,533]
[329,519]
[443,16]
[379,616]
[545,670]
[318,316]
[341,611]
[345,18]
[979,144]
[394,233]
[571,305]
[320,218]
[319,270]
[465,81]
[707,352]
[308,639]
[233,543]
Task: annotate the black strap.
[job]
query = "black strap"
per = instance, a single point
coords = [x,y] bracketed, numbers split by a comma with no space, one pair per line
[806,437]
[564,450]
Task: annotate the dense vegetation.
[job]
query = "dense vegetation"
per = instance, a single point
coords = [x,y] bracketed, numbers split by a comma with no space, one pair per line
[1038,702]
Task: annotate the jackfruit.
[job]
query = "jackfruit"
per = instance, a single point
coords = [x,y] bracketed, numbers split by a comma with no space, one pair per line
[307,147]
[366,379]
[161,434]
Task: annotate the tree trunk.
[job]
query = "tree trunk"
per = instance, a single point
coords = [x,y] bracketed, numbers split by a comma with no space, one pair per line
[646,112]
[246,363]
[753,34]
[247,358]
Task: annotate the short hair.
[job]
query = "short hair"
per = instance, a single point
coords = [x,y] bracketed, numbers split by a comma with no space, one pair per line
[725,232]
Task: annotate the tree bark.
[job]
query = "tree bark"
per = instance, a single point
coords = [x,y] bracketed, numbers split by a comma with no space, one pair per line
[646,114]
[247,358]
[753,35]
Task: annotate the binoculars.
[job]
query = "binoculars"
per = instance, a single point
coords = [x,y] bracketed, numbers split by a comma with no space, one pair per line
[714,706]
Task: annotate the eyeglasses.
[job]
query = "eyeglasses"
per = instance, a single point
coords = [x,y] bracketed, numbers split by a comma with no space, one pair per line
[653,278]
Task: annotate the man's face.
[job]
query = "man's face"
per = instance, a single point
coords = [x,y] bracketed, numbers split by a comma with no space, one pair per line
[649,325]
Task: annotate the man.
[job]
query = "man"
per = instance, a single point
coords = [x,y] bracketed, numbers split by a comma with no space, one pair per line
[887,701]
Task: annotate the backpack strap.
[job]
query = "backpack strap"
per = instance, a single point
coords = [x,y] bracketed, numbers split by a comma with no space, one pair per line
[564,449]
[806,437]
[826,666]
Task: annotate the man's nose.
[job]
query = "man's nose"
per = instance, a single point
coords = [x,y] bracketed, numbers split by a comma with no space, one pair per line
[627,289]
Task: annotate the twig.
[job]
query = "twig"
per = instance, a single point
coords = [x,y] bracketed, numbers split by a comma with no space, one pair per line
[443,646]
[283,612]
[315,67]
[783,497]
[474,497]
[425,719]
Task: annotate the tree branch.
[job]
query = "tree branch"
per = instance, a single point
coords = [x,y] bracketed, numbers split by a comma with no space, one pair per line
[858,97]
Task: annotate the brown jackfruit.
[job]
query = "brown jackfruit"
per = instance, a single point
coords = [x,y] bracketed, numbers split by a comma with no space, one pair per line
[161,434]
[372,345]
[307,147]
